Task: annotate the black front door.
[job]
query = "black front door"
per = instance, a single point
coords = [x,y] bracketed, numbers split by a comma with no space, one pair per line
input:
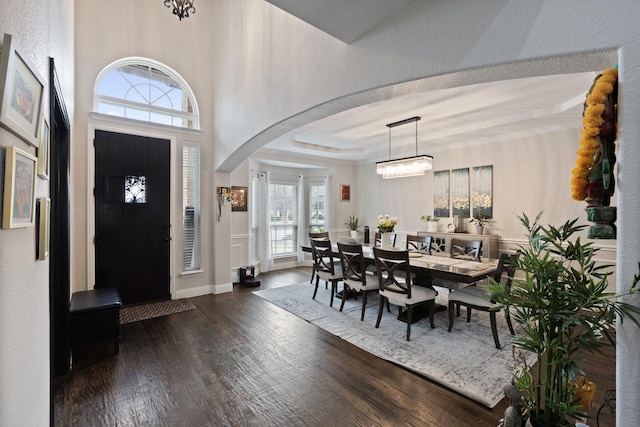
[132,196]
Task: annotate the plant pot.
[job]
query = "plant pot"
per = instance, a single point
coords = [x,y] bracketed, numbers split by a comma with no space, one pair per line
[353,234]
[432,226]
[479,229]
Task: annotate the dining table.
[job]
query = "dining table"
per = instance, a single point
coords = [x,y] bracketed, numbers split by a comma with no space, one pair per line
[442,269]
[438,269]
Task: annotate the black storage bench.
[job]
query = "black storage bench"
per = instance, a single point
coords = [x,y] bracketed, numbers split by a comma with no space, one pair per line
[95,318]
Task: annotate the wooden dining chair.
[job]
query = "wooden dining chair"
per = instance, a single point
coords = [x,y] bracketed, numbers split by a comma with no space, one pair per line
[355,275]
[476,297]
[398,290]
[325,268]
[469,248]
[419,243]
[323,235]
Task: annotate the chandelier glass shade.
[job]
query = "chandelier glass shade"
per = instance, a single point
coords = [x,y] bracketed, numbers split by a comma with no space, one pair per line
[181,8]
[408,166]
[400,168]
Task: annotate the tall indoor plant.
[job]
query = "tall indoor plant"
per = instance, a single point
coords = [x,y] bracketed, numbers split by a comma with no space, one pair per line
[559,297]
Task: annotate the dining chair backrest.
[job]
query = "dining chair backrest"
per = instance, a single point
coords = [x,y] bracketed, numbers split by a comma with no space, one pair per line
[322,255]
[394,271]
[378,238]
[419,243]
[323,235]
[470,248]
[507,265]
[352,261]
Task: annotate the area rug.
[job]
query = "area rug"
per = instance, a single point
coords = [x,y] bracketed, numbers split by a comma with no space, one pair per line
[464,360]
[156,309]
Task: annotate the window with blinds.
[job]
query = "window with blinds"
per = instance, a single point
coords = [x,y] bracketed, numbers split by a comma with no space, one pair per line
[190,206]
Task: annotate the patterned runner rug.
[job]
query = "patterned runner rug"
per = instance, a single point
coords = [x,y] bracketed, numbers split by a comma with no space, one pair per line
[156,309]
[464,360]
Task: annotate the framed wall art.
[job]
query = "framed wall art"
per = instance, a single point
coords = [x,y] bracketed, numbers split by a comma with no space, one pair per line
[441,194]
[19,189]
[43,150]
[345,193]
[21,93]
[482,193]
[239,199]
[460,199]
[44,211]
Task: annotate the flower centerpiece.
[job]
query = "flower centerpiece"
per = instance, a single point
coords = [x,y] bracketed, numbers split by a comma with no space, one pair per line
[560,299]
[386,224]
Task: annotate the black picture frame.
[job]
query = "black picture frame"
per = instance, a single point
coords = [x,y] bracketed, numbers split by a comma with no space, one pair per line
[239,196]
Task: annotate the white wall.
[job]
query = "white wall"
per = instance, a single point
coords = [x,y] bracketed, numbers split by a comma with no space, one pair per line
[41,29]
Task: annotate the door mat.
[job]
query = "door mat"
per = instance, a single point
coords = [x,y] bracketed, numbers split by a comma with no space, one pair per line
[157,309]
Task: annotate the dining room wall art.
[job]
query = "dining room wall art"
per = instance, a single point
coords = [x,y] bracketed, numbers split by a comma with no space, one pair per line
[19,189]
[21,93]
[482,191]
[441,194]
[239,199]
[460,200]
[345,193]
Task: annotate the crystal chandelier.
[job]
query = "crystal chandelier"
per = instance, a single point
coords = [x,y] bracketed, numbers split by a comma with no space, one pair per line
[181,8]
[408,166]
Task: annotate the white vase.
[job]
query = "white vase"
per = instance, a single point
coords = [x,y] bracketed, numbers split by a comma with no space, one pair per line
[353,234]
[385,240]
[479,229]
[432,226]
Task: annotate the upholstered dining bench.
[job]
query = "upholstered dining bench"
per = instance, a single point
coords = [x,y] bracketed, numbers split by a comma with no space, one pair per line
[95,318]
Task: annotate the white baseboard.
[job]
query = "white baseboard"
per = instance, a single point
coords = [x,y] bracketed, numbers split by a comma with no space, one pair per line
[204,290]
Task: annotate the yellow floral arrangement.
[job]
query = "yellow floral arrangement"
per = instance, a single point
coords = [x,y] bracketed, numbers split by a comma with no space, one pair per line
[386,223]
[592,121]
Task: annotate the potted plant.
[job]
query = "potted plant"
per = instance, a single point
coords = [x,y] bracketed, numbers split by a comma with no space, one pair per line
[432,222]
[479,219]
[353,225]
[559,298]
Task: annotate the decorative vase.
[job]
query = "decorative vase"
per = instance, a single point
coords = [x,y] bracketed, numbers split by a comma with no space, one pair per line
[604,218]
[479,229]
[385,240]
[432,226]
[353,234]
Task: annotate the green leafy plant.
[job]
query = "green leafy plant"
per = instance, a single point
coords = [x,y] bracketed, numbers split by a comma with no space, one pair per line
[559,297]
[429,218]
[479,219]
[353,223]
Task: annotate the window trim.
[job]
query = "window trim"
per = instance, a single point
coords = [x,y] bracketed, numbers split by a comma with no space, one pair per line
[138,60]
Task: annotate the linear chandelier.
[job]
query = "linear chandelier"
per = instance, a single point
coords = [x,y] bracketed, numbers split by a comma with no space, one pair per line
[407,166]
[181,8]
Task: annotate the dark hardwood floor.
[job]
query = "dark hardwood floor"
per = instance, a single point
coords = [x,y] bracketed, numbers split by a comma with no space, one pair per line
[240,361]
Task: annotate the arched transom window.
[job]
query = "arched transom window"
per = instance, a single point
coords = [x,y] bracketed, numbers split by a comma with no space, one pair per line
[143,89]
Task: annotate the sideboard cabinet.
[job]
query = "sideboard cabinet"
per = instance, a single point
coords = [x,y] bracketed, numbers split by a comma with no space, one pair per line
[441,242]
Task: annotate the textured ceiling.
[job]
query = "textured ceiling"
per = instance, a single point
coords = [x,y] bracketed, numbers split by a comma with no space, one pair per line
[450,118]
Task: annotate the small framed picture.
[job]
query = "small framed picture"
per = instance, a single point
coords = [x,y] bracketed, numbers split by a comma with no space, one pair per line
[19,189]
[345,193]
[44,211]
[238,199]
[43,151]
[21,94]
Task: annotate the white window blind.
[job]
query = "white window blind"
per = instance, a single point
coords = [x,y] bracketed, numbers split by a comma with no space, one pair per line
[191,206]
